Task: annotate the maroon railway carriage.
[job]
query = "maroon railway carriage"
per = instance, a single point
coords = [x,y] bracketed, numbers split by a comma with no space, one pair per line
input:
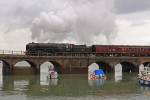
[121,50]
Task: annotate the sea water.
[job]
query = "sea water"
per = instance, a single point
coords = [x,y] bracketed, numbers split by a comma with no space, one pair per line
[73,87]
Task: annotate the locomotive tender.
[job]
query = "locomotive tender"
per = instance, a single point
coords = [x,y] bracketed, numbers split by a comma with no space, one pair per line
[66,49]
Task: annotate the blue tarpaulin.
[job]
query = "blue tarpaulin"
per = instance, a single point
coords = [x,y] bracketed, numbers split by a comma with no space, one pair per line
[99,72]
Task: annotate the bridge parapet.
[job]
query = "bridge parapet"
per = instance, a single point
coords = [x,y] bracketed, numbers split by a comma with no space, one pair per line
[11,52]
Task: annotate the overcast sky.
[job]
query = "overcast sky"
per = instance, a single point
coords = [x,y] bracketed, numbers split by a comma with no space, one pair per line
[74,21]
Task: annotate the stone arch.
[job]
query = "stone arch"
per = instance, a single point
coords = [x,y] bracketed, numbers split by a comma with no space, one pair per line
[56,65]
[6,68]
[24,69]
[105,66]
[129,66]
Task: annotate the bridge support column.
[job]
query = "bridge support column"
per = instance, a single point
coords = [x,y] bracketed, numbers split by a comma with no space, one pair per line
[7,69]
[37,69]
[112,65]
[11,69]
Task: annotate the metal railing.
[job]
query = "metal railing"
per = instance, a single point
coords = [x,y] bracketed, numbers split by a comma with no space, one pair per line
[11,52]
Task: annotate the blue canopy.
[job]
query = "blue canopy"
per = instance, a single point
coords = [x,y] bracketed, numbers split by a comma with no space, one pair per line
[99,72]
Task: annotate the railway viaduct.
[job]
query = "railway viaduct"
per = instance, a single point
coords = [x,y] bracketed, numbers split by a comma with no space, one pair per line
[71,64]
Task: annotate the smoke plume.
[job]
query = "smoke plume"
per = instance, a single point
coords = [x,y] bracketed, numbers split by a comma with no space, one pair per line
[78,20]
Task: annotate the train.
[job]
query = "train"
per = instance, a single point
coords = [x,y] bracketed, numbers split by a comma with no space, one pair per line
[52,49]
[66,49]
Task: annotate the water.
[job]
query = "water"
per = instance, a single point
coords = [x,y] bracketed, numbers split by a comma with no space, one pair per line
[72,87]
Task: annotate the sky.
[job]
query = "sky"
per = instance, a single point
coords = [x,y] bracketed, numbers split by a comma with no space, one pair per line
[122,22]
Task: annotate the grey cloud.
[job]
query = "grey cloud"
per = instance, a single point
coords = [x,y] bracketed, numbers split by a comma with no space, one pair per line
[81,20]
[130,6]
[16,14]
[56,20]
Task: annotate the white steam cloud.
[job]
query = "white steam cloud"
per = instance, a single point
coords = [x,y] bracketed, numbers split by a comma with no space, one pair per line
[79,20]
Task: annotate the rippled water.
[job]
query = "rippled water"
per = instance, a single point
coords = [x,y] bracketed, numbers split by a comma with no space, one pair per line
[72,87]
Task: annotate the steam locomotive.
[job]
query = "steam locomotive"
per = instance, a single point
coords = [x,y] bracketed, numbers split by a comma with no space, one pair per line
[51,49]
[65,49]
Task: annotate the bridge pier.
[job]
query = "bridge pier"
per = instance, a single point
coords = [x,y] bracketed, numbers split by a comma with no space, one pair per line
[37,69]
[7,68]
[67,64]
